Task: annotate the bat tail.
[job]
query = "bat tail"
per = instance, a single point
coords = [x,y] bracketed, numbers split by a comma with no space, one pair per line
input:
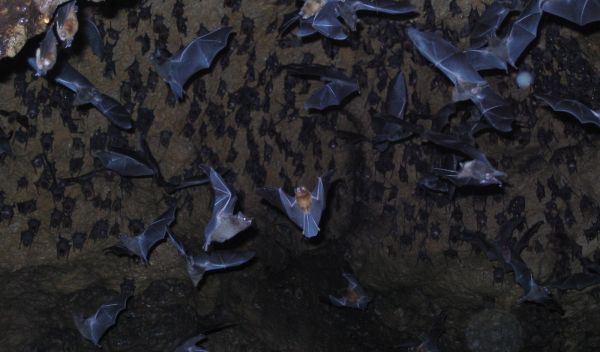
[310,226]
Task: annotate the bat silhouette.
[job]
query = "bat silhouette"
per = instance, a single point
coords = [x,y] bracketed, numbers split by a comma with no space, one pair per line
[469,85]
[304,208]
[198,265]
[95,326]
[45,54]
[223,224]
[581,112]
[189,345]
[355,296]
[67,23]
[333,93]
[90,32]
[142,244]
[508,49]
[322,16]
[490,21]
[197,55]
[580,12]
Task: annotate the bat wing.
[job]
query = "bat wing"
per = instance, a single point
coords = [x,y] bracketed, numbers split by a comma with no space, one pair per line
[196,56]
[289,20]
[383,6]
[484,59]
[176,243]
[487,25]
[326,22]
[494,109]
[291,208]
[305,28]
[124,163]
[95,326]
[189,345]
[332,94]
[156,231]
[455,143]
[319,199]
[92,36]
[581,112]
[523,242]
[186,183]
[523,31]
[579,12]
[218,260]
[224,201]
[113,110]
[395,104]
[67,76]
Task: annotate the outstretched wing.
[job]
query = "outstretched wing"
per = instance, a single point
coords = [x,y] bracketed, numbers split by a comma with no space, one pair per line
[113,110]
[326,22]
[581,112]
[224,201]
[95,326]
[455,143]
[319,198]
[580,12]
[124,163]
[67,76]
[523,31]
[488,24]
[383,6]
[494,109]
[395,103]
[332,94]
[218,260]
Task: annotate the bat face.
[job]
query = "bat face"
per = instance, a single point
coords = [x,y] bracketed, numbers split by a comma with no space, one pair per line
[66,23]
[46,54]
[303,198]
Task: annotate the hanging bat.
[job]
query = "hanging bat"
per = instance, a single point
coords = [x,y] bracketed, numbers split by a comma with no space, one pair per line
[190,345]
[198,55]
[355,296]
[469,85]
[303,208]
[580,12]
[92,36]
[508,49]
[582,113]
[95,326]
[333,93]
[223,224]
[489,23]
[142,244]
[66,22]
[198,265]
[45,54]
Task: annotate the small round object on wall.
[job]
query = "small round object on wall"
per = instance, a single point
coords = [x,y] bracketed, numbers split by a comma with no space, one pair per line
[524,79]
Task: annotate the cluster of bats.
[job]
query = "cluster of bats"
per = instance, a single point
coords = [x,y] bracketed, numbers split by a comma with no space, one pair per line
[332,19]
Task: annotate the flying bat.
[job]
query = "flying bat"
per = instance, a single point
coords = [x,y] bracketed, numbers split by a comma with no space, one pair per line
[186,183]
[125,162]
[223,224]
[198,55]
[581,112]
[472,173]
[322,16]
[395,102]
[508,49]
[580,12]
[67,23]
[142,244]
[355,296]
[45,54]
[190,345]
[333,93]
[468,83]
[95,326]
[490,21]
[198,265]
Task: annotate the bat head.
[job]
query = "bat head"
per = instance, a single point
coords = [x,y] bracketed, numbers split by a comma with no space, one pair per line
[303,197]
[311,8]
[67,26]
[243,220]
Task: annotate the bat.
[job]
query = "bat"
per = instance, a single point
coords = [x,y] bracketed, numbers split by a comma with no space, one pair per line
[304,208]
[125,162]
[189,345]
[355,296]
[489,23]
[456,143]
[95,326]
[469,85]
[434,183]
[580,12]
[197,55]
[582,113]
[66,22]
[223,224]
[472,173]
[45,54]
[395,102]
[333,93]
[392,132]
[186,183]
[93,37]
[142,244]
[322,16]
[198,265]
[508,49]
[577,281]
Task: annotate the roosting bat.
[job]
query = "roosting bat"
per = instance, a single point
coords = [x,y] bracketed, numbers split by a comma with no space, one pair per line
[333,93]
[90,32]
[469,85]
[490,21]
[580,12]
[355,296]
[304,208]
[198,265]
[198,55]
[508,49]
[223,224]
[322,16]
[67,23]
[95,326]
[142,244]
[581,112]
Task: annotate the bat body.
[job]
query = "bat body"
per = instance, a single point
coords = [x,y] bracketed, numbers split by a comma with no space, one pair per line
[224,224]
[67,23]
[581,112]
[125,163]
[355,295]
[45,54]
[322,16]
[142,244]
[333,93]
[580,12]
[469,85]
[95,326]
[196,56]
[189,345]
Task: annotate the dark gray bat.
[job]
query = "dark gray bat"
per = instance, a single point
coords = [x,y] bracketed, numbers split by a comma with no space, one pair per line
[581,112]
[190,345]
[142,244]
[395,102]
[93,38]
[67,23]
[198,265]
[45,54]
[490,21]
[125,162]
[322,16]
[198,55]
[223,224]
[333,93]
[508,49]
[469,85]
[455,143]
[95,326]
[580,12]
[355,296]
[304,208]
[577,281]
